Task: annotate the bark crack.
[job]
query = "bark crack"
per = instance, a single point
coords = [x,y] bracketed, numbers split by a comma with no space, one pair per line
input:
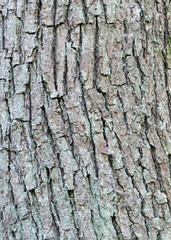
[93,155]
[96,56]
[117,228]
[52,205]
[54,45]
[85,11]
[164,53]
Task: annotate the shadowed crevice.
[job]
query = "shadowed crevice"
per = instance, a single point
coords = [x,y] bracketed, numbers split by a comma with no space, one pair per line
[83,95]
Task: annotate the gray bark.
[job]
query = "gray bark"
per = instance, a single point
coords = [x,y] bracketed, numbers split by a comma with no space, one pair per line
[85,113]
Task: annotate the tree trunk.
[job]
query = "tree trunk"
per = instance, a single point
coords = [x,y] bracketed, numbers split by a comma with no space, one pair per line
[85,113]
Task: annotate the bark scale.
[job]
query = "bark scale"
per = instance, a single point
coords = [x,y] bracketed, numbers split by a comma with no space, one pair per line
[85,113]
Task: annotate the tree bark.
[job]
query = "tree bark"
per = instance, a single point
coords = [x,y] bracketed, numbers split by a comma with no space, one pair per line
[85,113]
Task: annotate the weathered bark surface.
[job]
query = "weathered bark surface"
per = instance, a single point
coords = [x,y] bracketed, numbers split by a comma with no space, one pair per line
[85,113]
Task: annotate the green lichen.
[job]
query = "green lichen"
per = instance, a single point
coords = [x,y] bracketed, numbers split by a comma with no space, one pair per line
[159,53]
[167,53]
[16,124]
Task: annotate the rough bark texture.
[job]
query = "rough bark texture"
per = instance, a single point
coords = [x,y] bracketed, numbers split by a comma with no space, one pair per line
[85,114]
